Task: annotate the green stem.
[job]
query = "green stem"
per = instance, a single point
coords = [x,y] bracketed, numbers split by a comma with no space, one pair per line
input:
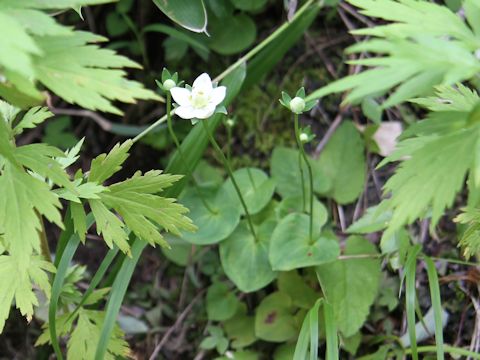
[250,176]
[180,152]
[264,43]
[310,173]
[302,180]
[229,144]
[230,173]
[239,62]
[139,37]
[447,348]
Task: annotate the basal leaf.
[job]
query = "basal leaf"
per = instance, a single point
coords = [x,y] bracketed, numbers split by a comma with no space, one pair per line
[255,186]
[222,303]
[351,285]
[274,320]
[286,172]
[343,162]
[244,260]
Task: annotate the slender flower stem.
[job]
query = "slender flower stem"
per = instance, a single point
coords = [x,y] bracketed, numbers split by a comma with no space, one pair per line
[229,144]
[310,173]
[239,62]
[250,176]
[180,152]
[304,198]
[230,173]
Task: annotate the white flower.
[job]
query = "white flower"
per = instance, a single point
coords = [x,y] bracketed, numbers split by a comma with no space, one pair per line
[201,101]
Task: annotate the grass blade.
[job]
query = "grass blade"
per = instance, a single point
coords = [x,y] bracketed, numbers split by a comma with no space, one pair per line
[313,322]
[437,306]
[301,349]
[115,300]
[410,298]
[67,252]
[330,331]
[107,260]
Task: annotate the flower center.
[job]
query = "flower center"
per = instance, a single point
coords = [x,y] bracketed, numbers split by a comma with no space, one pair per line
[199,98]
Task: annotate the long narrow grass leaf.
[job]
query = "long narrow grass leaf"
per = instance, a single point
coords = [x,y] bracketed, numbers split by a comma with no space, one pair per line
[301,348]
[107,260]
[330,331]
[313,322]
[437,306]
[62,268]
[410,297]
[115,300]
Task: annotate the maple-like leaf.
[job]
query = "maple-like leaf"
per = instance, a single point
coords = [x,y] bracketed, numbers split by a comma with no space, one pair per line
[16,285]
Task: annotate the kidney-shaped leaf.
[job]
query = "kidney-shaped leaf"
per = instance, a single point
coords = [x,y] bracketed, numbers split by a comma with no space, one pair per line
[291,246]
[256,188]
[286,173]
[343,161]
[232,35]
[274,320]
[244,260]
[214,223]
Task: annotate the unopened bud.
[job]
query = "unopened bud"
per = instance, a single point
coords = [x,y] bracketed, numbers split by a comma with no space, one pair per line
[303,137]
[169,84]
[297,104]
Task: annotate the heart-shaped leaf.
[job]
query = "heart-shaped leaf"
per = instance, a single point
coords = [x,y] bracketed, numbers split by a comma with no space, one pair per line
[244,260]
[291,246]
[343,161]
[274,320]
[256,188]
[296,204]
[240,329]
[285,170]
[222,303]
[293,284]
[214,223]
[238,35]
[179,251]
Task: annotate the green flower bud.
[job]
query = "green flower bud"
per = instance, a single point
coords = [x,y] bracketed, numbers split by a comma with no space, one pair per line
[230,123]
[297,104]
[169,84]
[303,137]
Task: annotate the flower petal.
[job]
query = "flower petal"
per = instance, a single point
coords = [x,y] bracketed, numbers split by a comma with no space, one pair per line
[217,95]
[204,112]
[203,83]
[181,96]
[185,112]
